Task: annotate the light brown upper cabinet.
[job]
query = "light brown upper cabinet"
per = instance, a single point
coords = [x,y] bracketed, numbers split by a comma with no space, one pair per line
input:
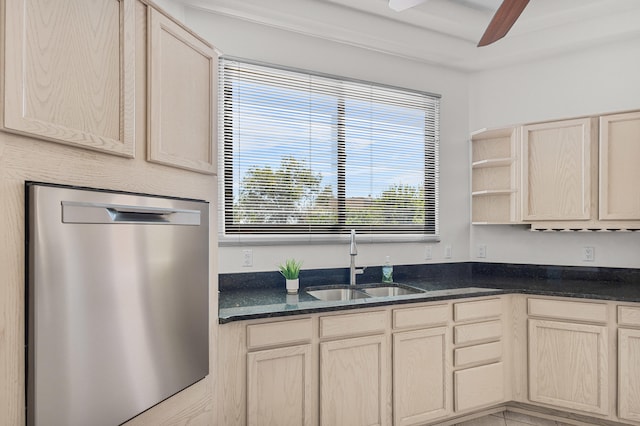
[629,374]
[182,96]
[559,170]
[619,171]
[69,72]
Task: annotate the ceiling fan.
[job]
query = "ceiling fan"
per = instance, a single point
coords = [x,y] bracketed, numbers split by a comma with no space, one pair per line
[502,21]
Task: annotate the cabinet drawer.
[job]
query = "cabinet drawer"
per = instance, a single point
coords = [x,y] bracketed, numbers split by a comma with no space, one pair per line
[353,324]
[478,309]
[479,386]
[279,333]
[629,315]
[487,352]
[421,317]
[563,309]
[469,333]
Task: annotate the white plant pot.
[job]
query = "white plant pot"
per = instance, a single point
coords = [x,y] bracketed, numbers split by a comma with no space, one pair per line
[292,299]
[293,285]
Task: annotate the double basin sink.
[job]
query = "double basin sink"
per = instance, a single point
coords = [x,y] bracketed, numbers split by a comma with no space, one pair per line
[366,291]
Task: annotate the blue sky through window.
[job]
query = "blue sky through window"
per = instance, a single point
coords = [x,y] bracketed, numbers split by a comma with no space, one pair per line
[384,142]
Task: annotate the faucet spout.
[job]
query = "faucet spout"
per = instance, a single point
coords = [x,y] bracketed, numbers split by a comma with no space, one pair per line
[353,249]
[353,252]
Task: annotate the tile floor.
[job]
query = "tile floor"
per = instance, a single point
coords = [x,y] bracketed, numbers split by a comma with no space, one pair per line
[509,418]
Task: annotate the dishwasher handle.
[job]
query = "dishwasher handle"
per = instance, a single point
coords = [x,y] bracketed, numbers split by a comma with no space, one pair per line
[82,212]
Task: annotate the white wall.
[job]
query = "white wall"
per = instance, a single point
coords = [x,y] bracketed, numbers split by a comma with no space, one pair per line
[258,42]
[599,80]
[173,8]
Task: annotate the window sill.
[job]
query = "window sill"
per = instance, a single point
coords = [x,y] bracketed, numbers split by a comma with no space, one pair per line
[276,240]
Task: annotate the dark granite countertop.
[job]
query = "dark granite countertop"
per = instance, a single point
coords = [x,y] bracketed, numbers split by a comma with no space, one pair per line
[263,295]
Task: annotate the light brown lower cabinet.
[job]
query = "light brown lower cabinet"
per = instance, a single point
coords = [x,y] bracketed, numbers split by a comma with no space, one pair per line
[279,385]
[629,374]
[421,376]
[353,381]
[568,365]
[429,363]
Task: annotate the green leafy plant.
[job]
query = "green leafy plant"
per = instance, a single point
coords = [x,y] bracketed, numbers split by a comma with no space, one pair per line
[290,268]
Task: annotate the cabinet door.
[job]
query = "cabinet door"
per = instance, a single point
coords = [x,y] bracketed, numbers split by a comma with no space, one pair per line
[279,387]
[182,97]
[353,382]
[557,170]
[568,365]
[629,374]
[69,72]
[619,171]
[421,389]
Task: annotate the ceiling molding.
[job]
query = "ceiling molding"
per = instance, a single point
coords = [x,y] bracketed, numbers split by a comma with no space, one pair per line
[440,50]
[444,32]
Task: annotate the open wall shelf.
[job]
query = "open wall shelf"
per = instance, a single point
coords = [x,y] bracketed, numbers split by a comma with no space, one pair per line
[494,176]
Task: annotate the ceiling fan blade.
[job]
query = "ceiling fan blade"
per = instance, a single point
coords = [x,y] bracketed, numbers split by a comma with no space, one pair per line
[400,5]
[502,21]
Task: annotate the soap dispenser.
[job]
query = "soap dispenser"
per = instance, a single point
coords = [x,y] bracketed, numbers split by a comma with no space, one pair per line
[387,271]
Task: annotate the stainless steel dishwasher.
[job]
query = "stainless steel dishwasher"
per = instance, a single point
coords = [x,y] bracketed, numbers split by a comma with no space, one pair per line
[117,302]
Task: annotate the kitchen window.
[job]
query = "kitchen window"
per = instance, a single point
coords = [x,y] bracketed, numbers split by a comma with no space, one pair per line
[312,156]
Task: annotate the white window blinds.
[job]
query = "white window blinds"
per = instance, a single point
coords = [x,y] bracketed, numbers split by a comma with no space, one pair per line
[313,154]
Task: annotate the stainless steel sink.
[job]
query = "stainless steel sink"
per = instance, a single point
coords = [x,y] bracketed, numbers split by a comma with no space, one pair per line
[347,292]
[336,293]
[390,290]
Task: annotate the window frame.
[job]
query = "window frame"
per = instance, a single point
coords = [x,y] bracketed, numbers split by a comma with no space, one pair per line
[338,232]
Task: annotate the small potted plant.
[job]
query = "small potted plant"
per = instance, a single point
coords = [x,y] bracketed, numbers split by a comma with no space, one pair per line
[290,270]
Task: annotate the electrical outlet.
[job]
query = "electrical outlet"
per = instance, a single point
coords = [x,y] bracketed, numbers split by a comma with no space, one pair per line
[428,255]
[482,250]
[588,254]
[247,257]
[447,252]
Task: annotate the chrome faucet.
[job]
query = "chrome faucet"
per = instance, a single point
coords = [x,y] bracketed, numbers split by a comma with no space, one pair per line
[353,252]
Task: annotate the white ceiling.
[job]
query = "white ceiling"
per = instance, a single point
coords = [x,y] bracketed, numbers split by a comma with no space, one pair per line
[445,32]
